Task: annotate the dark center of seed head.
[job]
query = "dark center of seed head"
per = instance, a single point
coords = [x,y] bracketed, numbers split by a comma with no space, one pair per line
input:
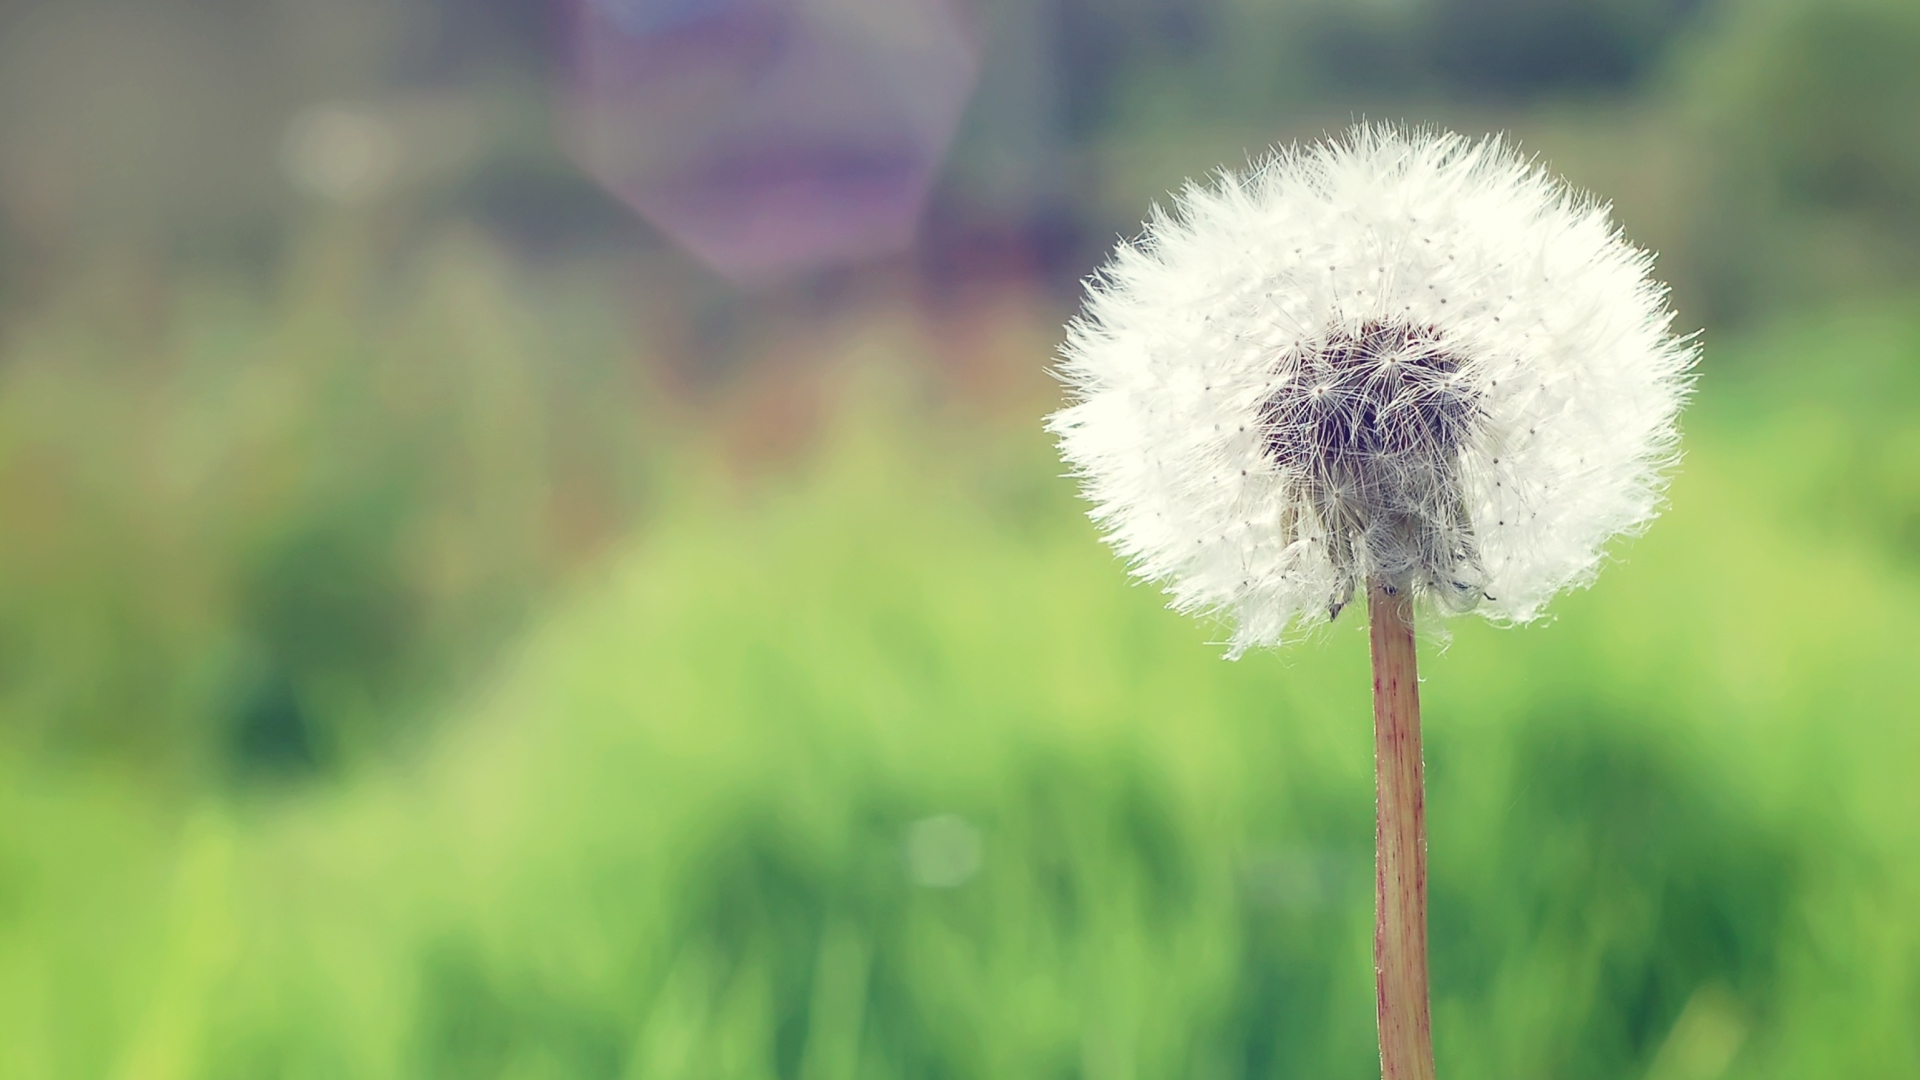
[1372,424]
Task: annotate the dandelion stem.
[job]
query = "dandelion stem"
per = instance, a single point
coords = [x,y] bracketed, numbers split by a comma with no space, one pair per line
[1400,842]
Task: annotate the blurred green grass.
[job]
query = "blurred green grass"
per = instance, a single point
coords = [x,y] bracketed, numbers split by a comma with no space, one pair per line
[880,768]
[252,527]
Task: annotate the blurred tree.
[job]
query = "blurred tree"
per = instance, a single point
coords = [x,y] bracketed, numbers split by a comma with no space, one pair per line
[1501,48]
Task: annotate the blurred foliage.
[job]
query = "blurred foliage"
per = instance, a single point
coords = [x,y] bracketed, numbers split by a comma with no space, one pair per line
[1501,48]
[883,770]
[1840,389]
[865,761]
[1239,58]
[258,527]
[1810,185]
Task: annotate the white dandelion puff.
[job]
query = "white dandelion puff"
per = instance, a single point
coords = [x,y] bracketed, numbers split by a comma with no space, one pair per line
[1402,357]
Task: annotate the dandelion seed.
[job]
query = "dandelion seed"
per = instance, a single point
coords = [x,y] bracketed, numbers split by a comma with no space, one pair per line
[1407,444]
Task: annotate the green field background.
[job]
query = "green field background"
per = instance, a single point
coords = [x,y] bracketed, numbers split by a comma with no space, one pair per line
[670,833]
[448,632]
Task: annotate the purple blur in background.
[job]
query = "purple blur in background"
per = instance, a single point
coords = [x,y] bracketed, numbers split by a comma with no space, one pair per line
[768,136]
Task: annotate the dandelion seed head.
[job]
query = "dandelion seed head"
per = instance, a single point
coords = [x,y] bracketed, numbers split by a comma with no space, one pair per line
[1401,355]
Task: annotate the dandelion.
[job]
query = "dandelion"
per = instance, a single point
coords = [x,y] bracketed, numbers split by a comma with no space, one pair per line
[1403,361]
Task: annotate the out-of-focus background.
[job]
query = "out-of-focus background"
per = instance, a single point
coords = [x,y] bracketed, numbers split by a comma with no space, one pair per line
[526,550]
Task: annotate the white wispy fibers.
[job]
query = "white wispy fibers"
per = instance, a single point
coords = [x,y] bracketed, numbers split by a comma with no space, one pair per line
[1402,356]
